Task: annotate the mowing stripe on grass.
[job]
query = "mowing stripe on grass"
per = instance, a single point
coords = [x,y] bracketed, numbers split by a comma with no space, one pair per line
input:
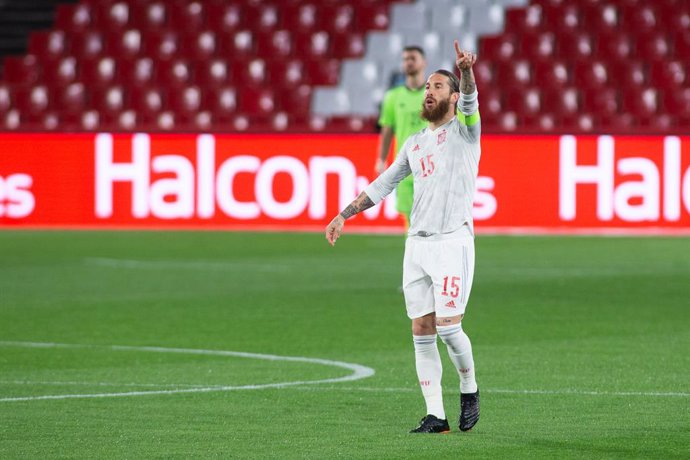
[358,371]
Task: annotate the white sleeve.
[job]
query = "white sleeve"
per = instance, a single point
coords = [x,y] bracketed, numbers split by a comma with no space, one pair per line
[386,182]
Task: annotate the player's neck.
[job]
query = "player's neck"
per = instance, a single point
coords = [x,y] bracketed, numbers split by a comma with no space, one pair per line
[434,125]
[415,81]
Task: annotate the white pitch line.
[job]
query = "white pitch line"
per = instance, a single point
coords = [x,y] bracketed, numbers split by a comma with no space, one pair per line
[358,371]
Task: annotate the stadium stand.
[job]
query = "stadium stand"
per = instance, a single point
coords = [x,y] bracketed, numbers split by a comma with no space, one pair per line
[545,66]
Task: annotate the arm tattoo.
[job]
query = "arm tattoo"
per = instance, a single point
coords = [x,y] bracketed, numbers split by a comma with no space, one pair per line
[467,83]
[360,203]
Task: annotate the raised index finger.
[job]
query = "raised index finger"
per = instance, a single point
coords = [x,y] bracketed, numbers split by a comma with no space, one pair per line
[458,51]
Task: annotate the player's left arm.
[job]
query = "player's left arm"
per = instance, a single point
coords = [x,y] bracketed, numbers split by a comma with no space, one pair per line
[468,104]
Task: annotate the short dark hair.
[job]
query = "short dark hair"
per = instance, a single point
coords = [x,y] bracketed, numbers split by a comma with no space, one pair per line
[414,48]
[453,80]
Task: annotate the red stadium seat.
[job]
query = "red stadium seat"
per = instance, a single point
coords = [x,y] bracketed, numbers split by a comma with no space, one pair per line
[615,46]
[579,123]
[484,73]
[296,101]
[602,101]
[250,72]
[33,100]
[262,17]
[313,44]
[222,102]
[174,72]
[114,16]
[200,45]
[563,102]
[239,44]
[87,44]
[323,72]
[563,18]
[682,45]
[514,73]
[125,44]
[669,73]
[187,16]
[372,16]
[148,101]
[60,71]
[538,45]
[302,17]
[575,45]
[162,45]
[99,71]
[224,17]
[137,72]
[500,48]
[508,121]
[591,74]
[491,102]
[528,20]
[48,44]
[348,45]
[6,98]
[619,123]
[24,69]
[551,74]
[257,101]
[213,73]
[643,102]
[286,74]
[653,46]
[74,18]
[72,98]
[187,101]
[601,16]
[677,101]
[525,101]
[628,73]
[150,16]
[274,44]
[109,99]
[338,18]
[640,18]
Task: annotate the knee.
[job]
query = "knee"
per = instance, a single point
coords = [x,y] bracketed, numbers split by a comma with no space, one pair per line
[449,334]
[426,325]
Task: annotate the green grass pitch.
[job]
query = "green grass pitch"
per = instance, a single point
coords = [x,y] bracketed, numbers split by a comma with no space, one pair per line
[581,346]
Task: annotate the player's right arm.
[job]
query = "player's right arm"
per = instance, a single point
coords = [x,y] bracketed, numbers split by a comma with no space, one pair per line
[373,194]
[468,104]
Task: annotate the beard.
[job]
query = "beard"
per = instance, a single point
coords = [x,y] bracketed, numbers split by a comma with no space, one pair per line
[437,113]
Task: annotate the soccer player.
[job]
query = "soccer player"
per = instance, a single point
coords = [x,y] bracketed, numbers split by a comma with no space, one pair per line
[438,265]
[400,117]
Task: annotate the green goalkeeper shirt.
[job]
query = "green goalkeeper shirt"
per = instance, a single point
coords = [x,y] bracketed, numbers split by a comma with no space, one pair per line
[400,111]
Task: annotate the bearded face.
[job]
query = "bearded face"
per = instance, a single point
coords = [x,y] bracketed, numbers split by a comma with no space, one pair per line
[433,110]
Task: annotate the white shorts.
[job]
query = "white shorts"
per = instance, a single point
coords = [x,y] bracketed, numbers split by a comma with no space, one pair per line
[437,274]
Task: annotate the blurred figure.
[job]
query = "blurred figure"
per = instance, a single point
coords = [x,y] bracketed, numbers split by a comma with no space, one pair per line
[400,116]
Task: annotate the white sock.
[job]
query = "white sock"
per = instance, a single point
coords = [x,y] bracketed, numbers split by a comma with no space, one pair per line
[460,352]
[429,371]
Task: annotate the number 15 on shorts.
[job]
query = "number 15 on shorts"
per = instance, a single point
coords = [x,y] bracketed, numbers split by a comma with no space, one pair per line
[451,286]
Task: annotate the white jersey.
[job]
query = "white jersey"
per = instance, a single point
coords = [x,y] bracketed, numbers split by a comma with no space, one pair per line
[444,163]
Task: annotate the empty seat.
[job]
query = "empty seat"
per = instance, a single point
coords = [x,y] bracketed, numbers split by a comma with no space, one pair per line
[601,17]
[591,74]
[514,73]
[149,16]
[615,46]
[302,17]
[484,73]
[654,45]
[72,98]
[33,100]
[99,71]
[137,71]
[24,69]
[200,45]
[575,45]
[174,72]
[187,16]
[669,73]
[682,45]
[338,18]
[262,17]
[619,123]
[212,72]
[348,45]
[113,16]
[251,72]
[384,47]
[500,48]
[485,18]
[529,20]
[240,43]
[148,101]
[75,18]
[372,16]
[128,43]
[287,74]
[48,44]
[629,73]
[224,17]
[324,72]
[677,101]
[410,17]
[6,95]
[313,44]
[551,74]
[640,18]
[330,101]
[60,71]
[256,101]
[525,101]
[563,102]
[187,100]
[87,44]
[563,18]
[274,43]
[642,101]
[538,46]
[162,45]
[602,101]
[297,101]
[222,102]
[109,99]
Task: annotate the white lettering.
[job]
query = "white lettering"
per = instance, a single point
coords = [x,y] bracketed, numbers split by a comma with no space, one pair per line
[672,178]
[319,168]
[137,172]
[224,182]
[647,189]
[485,204]
[179,188]
[206,164]
[16,199]
[570,175]
[300,187]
